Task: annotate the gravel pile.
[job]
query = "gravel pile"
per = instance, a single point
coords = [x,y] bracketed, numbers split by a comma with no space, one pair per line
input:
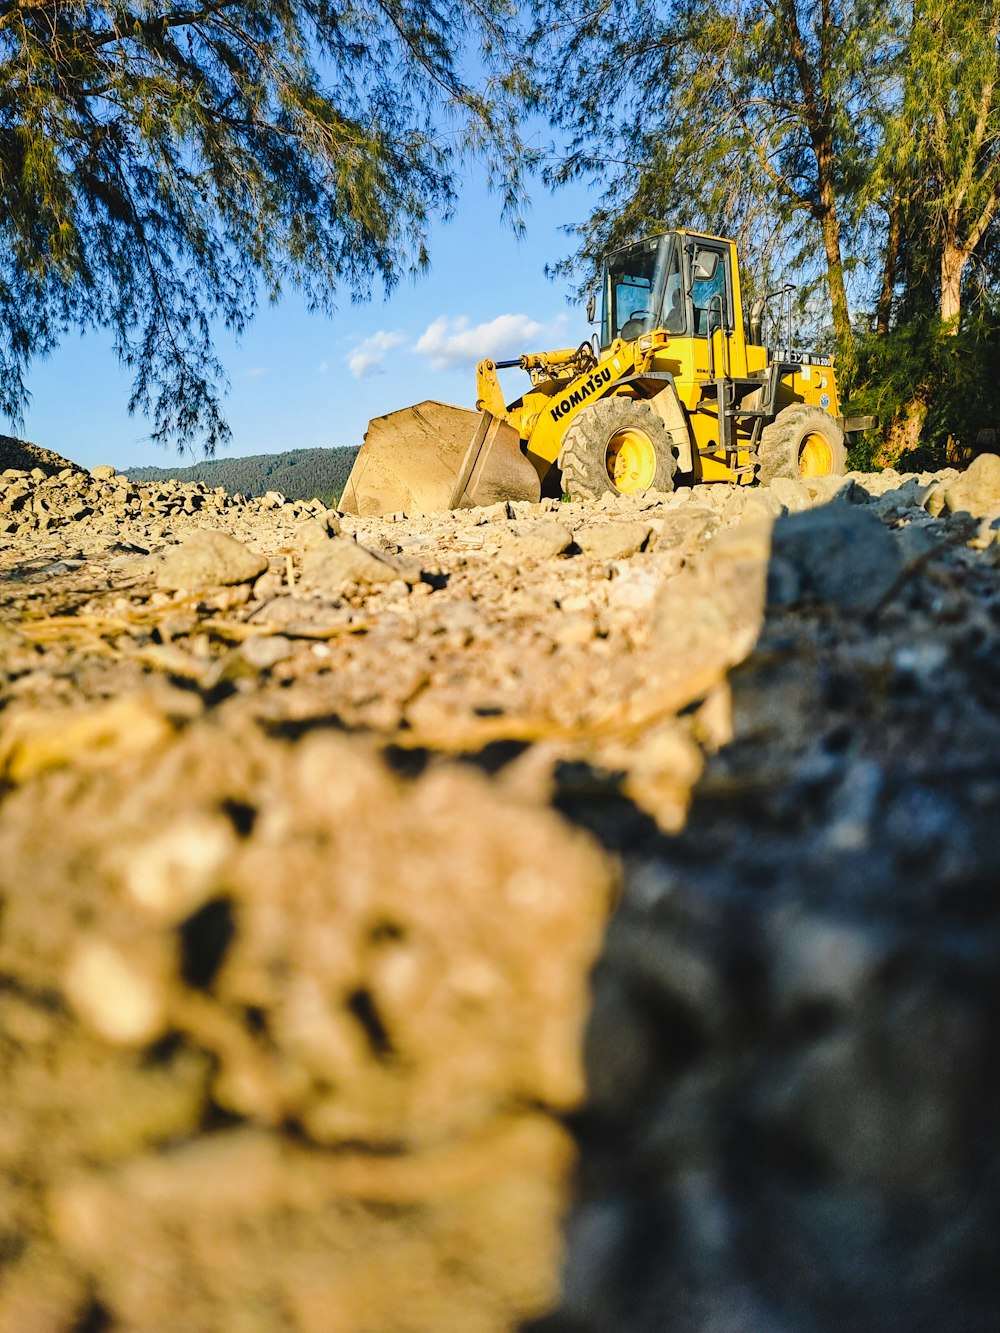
[25,457]
[46,498]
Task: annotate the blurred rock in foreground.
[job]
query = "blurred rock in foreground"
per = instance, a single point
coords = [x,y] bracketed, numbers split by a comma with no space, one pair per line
[284,1038]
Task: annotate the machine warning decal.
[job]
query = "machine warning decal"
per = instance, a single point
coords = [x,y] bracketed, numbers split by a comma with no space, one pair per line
[590,385]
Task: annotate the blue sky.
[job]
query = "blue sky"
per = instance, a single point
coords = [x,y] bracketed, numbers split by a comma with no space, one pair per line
[306,381]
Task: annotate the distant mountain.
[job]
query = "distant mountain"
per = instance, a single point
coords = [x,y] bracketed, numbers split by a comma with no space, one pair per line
[300,474]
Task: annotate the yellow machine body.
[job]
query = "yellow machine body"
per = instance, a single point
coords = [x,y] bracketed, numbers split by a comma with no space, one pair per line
[696,367]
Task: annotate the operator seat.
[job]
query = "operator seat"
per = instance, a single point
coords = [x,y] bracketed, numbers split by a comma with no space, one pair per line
[633,327]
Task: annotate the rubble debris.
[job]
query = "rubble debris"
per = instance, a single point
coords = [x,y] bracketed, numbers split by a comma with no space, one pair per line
[305,865]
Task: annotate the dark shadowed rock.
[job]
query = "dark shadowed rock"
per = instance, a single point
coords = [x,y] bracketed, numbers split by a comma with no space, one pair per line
[841,554]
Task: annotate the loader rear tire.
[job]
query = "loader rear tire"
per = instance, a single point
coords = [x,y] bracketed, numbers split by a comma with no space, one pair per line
[618,445]
[801,441]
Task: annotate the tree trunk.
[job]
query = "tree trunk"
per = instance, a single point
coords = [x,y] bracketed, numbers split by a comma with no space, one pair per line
[890,266]
[835,280]
[953,261]
[818,117]
[904,434]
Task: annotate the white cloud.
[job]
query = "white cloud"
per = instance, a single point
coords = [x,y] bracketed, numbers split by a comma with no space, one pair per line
[448,343]
[324,366]
[368,358]
[258,372]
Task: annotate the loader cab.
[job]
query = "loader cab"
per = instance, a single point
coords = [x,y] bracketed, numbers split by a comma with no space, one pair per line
[676,281]
[687,284]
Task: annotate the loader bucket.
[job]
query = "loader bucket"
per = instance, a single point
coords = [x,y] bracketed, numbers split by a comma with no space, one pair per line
[432,457]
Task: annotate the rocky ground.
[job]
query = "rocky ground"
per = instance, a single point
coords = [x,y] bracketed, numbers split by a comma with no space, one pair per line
[358,877]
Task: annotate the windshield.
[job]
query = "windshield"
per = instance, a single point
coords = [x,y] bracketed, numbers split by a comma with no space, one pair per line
[640,283]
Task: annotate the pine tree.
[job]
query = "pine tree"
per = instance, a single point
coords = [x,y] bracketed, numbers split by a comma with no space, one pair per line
[163,164]
[941,147]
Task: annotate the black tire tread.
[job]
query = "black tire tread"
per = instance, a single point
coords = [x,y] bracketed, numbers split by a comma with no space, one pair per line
[581,458]
[781,439]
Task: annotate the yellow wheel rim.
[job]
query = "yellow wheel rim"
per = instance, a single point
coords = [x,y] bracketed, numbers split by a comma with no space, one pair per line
[631,460]
[815,456]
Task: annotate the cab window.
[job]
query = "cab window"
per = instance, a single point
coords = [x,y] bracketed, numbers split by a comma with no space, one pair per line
[633,297]
[674,312]
[708,285]
[634,290]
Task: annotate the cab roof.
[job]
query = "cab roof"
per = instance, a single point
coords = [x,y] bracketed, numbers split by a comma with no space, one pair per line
[663,235]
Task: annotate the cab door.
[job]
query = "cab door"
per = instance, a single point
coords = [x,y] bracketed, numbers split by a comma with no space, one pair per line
[712,308]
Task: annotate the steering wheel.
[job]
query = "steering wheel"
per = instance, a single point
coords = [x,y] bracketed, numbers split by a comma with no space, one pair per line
[586,356]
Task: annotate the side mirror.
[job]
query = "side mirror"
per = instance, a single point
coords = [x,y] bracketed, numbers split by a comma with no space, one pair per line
[591,307]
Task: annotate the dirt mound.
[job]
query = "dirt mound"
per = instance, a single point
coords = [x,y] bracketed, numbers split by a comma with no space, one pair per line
[20,454]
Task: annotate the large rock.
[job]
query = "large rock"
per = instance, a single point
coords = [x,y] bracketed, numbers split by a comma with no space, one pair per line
[317,533]
[538,541]
[612,541]
[340,562]
[840,553]
[792,493]
[295,1031]
[977,490]
[706,619]
[209,559]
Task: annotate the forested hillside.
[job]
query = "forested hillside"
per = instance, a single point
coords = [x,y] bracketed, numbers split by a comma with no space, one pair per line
[299,474]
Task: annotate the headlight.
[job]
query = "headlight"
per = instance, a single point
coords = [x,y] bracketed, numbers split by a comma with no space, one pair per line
[649,342]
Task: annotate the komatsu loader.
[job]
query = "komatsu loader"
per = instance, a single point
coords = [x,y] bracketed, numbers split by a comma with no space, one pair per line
[677,389]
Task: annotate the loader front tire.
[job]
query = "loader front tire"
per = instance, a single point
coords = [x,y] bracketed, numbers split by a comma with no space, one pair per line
[801,441]
[618,445]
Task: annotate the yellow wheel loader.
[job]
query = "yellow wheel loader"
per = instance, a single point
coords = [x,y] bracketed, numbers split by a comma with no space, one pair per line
[677,390]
